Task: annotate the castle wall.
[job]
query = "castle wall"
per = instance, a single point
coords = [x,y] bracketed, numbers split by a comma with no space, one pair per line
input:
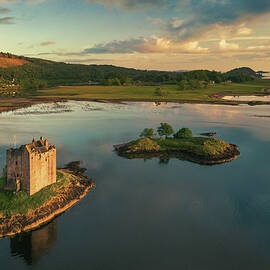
[18,168]
[31,167]
[25,179]
[42,170]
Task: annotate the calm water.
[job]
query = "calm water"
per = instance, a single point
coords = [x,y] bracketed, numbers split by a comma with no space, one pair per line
[248,98]
[149,214]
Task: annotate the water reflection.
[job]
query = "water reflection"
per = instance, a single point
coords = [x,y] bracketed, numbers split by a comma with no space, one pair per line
[164,158]
[146,215]
[265,98]
[164,161]
[33,245]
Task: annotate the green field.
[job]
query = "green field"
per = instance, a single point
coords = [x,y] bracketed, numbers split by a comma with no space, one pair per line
[148,92]
[20,203]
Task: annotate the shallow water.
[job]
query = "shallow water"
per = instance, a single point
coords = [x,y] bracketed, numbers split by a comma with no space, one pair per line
[248,98]
[149,214]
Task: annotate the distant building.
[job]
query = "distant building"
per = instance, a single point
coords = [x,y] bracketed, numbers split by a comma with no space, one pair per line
[31,167]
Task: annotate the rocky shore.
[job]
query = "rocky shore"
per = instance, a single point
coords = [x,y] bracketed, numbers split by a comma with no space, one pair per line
[67,196]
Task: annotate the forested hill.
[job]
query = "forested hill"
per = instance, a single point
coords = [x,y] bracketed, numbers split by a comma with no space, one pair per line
[244,73]
[9,60]
[33,73]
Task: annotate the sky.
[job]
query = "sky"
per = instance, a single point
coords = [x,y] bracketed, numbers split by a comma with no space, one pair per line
[144,34]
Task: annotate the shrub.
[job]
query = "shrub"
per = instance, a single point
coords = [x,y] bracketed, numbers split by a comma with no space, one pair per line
[165,130]
[183,133]
[148,133]
[144,144]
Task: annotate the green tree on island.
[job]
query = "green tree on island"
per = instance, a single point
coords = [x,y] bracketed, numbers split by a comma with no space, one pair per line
[148,133]
[183,133]
[165,130]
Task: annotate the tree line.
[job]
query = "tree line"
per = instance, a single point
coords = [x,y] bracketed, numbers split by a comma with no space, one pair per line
[38,74]
[166,130]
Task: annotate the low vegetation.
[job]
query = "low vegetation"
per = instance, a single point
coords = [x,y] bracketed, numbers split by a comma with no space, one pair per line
[202,149]
[12,203]
[143,145]
[148,93]
[196,145]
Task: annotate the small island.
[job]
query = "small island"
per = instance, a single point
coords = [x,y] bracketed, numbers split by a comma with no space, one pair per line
[182,145]
[33,191]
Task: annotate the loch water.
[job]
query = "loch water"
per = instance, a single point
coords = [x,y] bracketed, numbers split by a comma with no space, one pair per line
[149,214]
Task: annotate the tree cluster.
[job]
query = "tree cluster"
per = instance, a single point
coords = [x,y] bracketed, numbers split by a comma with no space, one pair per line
[166,130]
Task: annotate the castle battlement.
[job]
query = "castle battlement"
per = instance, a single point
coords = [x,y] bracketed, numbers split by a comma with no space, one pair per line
[32,166]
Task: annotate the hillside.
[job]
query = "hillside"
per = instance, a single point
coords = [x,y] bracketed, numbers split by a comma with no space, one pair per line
[8,60]
[243,72]
[19,73]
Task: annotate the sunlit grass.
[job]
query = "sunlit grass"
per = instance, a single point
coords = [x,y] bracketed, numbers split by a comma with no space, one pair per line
[197,145]
[148,92]
[12,203]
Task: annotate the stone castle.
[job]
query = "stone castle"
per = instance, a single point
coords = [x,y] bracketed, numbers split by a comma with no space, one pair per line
[31,167]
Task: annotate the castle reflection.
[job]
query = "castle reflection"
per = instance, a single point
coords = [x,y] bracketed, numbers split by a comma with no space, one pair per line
[33,245]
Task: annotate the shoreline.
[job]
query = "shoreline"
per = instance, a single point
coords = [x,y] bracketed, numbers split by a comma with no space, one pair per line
[10,226]
[13,104]
[228,156]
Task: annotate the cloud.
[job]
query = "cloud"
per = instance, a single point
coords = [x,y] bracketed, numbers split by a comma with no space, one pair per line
[61,53]
[4,10]
[6,20]
[47,43]
[7,2]
[86,60]
[133,4]
[28,2]
[145,45]
[203,15]
[224,45]
[194,17]
[42,44]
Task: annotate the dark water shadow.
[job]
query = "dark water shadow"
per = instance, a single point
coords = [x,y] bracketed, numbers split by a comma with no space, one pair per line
[31,246]
[164,158]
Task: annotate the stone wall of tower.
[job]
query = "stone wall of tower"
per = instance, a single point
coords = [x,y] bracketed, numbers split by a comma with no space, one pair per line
[18,168]
[31,167]
[42,170]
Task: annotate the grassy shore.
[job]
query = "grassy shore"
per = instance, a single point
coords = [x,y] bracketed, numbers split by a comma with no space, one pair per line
[210,94]
[20,212]
[207,151]
[148,92]
[20,203]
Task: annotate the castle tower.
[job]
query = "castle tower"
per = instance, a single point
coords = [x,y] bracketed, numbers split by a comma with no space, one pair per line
[31,167]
